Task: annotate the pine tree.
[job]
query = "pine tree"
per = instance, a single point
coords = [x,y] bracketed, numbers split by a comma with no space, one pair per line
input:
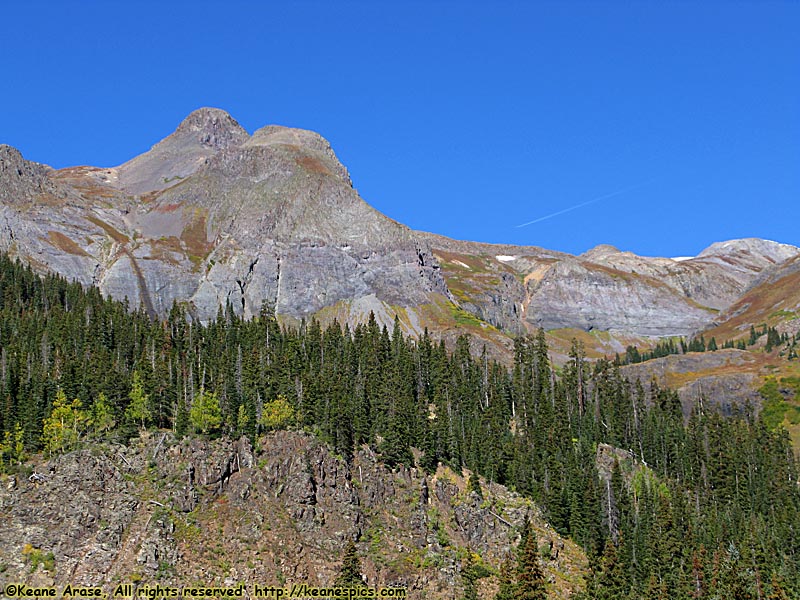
[777,591]
[506,580]
[350,572]
[181,419]
[469,577]
[530,577]
[474,485]
[612,583]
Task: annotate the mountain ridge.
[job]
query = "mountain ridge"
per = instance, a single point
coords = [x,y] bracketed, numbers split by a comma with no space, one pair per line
[212,214]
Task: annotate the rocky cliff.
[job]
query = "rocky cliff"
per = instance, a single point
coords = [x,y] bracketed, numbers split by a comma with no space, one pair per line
[725,380]
[221,513]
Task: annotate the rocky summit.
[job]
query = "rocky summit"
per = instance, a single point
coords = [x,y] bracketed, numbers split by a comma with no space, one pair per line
[213,215]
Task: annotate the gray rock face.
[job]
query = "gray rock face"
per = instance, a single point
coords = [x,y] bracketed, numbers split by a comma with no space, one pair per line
[724,380]
[200,136]
[21,179]
[80,513]
[517,288]
[573,294]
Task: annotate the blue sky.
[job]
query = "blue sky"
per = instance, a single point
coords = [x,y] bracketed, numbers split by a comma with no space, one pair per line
[664,126]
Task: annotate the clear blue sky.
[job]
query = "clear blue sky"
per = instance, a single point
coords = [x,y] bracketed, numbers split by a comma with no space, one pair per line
[463,118]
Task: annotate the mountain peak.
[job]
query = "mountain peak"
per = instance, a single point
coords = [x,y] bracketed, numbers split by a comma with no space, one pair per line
[308,142]
[216,128]
[201,135]
[600,251]
[752,250]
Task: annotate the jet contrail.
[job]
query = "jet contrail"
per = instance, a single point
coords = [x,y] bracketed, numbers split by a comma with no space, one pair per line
[592,201]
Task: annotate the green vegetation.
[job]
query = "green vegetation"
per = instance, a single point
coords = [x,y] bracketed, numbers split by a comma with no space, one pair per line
[715,511]
[474,485]
[36,557]
[277,414]
[776,408]
[63,427]
[205,415]
[138,409]
[462,317]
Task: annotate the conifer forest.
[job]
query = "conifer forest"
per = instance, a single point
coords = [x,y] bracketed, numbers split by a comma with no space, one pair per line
[695,506]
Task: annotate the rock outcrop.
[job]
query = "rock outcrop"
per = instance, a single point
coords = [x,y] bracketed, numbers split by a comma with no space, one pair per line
[519,288]
[219,513]
[725,380]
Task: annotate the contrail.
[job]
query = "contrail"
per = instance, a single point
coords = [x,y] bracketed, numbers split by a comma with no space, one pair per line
[592,201]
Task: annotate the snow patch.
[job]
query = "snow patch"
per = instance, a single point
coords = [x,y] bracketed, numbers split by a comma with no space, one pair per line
[505,258]
[465,265]
[682,258]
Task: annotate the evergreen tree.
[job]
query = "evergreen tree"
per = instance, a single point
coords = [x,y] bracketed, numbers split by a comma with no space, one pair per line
[530,576]
[469,577]
[507,584]
[612,582]
[686,486]
[777,591]
[349,575]
[474,485]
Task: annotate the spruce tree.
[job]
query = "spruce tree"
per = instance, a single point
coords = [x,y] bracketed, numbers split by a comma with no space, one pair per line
[612,584]
[350,572]
[474,485]
[469,577]
[777,592]
[530,576]
[506,580]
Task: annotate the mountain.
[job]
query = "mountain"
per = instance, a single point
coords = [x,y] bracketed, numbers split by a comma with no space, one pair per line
[145,453]
[212,214]
[773,300]
[518,288]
